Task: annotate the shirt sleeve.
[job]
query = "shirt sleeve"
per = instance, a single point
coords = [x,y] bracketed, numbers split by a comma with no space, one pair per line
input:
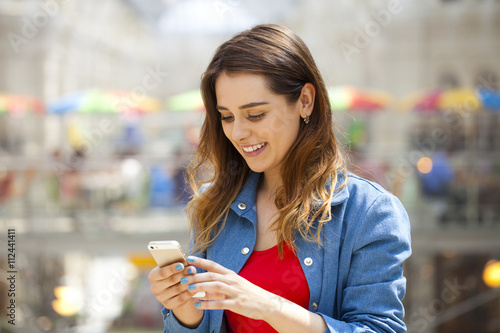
[173,325]
[375,285]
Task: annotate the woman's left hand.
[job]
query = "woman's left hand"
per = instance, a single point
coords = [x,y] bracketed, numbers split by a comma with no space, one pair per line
[227,290]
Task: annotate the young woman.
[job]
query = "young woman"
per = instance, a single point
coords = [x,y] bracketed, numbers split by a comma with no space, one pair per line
[284,239]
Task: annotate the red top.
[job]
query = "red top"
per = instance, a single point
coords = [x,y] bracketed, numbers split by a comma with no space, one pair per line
[281,277]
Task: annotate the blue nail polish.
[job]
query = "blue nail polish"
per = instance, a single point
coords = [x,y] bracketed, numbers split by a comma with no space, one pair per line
[197,305]
[184,280]
[191,271]
[179,267]
[191,287]
[190,259]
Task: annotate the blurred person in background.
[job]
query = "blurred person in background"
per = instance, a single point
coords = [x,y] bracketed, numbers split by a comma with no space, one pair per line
[284,238]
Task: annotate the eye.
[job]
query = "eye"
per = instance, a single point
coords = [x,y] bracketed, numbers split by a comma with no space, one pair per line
[257,116]
[226,118]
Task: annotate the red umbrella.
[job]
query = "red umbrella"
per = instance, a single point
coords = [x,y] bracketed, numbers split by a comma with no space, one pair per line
[358,100]
[429,102]
[18,106]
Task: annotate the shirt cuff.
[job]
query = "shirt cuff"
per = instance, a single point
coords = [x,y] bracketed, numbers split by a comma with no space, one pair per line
[334,326]
[173,325]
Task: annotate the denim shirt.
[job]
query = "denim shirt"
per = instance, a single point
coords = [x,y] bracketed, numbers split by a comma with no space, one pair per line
[355,279]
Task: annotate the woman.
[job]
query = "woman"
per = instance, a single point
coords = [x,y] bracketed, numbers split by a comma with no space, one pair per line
[284,239]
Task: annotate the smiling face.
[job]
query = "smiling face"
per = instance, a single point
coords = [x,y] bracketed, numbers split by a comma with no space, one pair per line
[261,125]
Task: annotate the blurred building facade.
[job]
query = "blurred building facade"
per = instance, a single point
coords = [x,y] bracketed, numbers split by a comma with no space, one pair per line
[52,48]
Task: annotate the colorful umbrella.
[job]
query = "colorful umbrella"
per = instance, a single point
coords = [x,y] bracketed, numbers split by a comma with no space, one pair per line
[490,99]
[430,103]
[188,101]
[20,105]
[102,101]
[459,99]
[355,99]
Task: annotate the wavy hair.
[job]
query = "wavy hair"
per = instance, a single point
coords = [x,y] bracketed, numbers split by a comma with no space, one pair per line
[312,163]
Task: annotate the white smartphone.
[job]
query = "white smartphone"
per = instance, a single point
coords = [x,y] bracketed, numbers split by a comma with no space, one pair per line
[169,252]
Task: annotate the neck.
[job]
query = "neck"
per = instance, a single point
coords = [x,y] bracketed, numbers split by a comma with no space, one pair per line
[271,181]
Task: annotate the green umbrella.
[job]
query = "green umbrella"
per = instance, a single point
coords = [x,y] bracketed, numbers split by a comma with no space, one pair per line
[188,101]
[97,101]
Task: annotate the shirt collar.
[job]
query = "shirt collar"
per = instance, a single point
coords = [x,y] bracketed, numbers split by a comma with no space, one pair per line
[340,194]
[245,200]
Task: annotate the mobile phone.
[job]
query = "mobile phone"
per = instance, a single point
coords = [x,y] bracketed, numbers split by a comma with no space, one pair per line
[168,252]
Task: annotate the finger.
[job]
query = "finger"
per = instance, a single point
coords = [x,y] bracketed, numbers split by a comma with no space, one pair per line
[157,286]
[172,298]
[190,270]
[208,265]
[209,296]
[215,305]
[161,273]
[213,290]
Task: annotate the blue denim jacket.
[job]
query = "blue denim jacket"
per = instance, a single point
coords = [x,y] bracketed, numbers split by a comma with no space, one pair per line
[355,279]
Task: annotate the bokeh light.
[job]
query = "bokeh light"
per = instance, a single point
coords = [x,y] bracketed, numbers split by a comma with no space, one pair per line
[68,301]
[424,165]
[491,274]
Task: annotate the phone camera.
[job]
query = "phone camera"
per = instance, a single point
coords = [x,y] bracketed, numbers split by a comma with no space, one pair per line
[152,247]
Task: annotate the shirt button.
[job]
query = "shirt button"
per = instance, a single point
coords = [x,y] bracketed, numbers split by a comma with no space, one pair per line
[314,306]
[242,206]
[245,250]
[308,261]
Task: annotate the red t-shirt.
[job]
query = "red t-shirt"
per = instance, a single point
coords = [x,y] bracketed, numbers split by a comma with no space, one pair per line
[281,277]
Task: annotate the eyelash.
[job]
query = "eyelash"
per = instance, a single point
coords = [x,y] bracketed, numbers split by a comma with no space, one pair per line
[250,117]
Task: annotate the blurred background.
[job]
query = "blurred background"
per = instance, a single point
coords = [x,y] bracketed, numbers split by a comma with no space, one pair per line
[100,111]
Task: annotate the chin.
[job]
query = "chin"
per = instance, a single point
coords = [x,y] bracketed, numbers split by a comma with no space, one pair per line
[256,168]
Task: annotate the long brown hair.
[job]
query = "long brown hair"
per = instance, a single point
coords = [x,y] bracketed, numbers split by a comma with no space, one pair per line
[282,58]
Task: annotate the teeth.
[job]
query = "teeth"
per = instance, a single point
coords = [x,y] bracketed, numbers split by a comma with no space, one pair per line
[253,148]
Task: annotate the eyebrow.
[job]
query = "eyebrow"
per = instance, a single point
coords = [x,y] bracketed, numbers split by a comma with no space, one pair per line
[246,106]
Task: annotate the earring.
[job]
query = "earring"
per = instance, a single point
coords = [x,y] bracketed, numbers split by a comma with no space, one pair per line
[306,119]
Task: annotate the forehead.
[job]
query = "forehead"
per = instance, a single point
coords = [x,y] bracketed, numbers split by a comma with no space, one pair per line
[242,88]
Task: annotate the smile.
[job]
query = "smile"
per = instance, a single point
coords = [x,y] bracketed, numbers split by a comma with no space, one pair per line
[250,149]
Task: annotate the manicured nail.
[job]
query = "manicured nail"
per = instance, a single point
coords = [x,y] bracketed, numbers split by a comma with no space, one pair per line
[191,259]
[191,271]
[197,305]
[191,287]
[184,280]
[179,267]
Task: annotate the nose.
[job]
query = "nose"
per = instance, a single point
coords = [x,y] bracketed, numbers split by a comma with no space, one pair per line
[240,130]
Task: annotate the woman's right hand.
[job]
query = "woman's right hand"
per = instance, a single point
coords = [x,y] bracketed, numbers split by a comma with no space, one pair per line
[166,285]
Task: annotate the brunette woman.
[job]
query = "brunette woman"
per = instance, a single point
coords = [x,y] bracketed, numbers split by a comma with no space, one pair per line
[284,239]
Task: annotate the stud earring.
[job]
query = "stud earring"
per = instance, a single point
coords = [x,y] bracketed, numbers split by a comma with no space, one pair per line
[306,119]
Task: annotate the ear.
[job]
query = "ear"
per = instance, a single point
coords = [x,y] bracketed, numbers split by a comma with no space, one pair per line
[306,99]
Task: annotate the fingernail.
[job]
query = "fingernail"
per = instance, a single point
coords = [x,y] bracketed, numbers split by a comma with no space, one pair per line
[179,267]
[191,287]
[184,280]
[191,271]
[191,259]
[197,305]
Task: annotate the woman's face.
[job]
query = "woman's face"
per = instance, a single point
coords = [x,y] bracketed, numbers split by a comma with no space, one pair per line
[261,125]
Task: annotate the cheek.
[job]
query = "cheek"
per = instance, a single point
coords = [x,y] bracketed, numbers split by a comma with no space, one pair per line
[278,125]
